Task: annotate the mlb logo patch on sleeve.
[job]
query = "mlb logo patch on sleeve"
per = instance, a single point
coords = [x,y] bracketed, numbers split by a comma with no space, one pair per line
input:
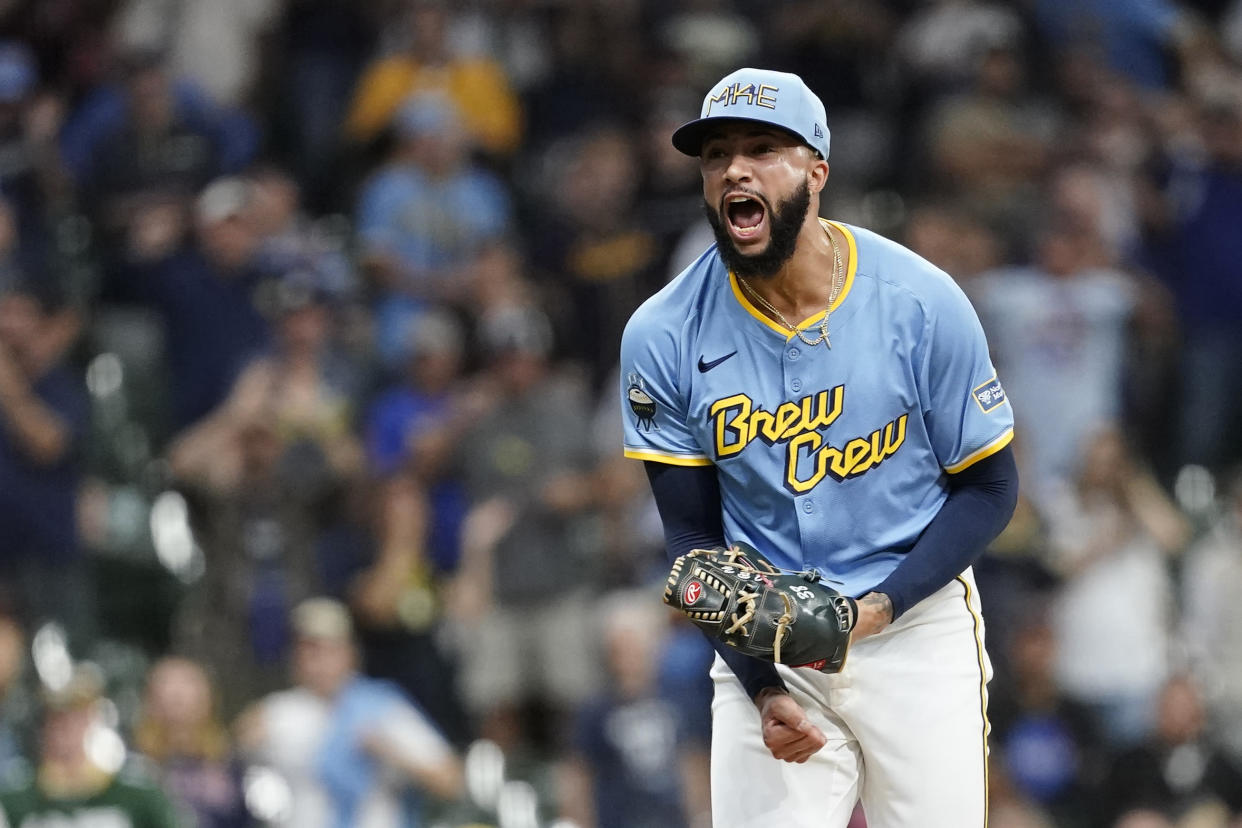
[989,395]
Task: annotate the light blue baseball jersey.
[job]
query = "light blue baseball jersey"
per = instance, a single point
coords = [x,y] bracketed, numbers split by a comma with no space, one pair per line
[827,458]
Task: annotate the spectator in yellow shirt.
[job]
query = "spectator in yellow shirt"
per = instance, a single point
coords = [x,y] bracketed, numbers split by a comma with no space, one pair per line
[478,86]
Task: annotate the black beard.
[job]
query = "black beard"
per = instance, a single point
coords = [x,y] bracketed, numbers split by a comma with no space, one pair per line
[785,222]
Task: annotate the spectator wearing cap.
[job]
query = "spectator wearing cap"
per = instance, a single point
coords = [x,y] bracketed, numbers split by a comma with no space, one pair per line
[476,84]
[70,786]
[355,752]
[425,215]
[203,287]
[528,560]
[44,415]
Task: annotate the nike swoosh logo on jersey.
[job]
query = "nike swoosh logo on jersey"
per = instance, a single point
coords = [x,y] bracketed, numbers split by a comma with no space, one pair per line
[704,367]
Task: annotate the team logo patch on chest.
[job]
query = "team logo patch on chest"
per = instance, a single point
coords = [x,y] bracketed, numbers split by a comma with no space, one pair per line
[989,395]
[799,426]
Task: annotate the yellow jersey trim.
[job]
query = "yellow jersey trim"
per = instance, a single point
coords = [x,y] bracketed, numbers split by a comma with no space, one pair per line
[983,689]
[664,457]
[987,451]
[772,324]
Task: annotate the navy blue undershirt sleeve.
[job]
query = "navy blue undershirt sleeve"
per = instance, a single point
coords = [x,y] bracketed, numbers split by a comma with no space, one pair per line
[981,501]
[688,498]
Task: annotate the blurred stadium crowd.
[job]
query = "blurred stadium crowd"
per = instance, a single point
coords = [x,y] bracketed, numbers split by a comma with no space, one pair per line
[309,316]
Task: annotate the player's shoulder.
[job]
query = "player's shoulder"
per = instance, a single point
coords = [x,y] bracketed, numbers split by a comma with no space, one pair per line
[903,275]
[892,263]
[682,300]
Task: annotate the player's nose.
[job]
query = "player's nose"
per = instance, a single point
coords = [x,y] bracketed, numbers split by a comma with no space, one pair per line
[737,169]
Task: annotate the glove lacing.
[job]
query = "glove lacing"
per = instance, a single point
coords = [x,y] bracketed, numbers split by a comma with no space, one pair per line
[747,601]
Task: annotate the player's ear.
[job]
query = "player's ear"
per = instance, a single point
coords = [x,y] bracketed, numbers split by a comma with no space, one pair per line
[817,174]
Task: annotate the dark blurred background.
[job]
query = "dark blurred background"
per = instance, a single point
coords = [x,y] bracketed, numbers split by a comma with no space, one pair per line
[323,298]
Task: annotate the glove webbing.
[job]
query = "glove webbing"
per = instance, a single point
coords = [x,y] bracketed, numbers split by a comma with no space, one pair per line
[782,623]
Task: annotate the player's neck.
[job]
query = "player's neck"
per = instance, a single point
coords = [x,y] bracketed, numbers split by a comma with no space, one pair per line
[800,289]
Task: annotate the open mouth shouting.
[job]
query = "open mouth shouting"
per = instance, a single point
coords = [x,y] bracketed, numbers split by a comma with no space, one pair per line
[746,216]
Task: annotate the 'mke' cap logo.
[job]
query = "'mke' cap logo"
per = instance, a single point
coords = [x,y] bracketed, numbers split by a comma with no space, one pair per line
[763,96]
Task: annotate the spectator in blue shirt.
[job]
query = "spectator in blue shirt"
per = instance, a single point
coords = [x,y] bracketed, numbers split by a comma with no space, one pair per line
[423,217]
[44,415]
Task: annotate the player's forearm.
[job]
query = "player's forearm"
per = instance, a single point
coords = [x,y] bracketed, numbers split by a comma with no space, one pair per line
[754,675]
[981,500]
[688,499]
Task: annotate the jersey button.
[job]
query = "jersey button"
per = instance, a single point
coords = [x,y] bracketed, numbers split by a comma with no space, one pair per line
[794,353]
[808,506]
[795,385]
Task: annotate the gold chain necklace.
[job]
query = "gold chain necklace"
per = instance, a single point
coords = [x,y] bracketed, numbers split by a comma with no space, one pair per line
[837,282]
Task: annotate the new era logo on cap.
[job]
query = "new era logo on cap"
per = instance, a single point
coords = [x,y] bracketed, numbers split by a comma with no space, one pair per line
[780,99]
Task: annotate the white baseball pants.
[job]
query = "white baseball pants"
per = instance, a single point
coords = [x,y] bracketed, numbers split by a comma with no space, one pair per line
[906,724]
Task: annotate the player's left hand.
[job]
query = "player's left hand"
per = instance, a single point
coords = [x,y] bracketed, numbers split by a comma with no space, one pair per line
[875,612]
[787,732]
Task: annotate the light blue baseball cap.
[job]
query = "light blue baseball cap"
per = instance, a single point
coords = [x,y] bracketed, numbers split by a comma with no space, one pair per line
[779,99]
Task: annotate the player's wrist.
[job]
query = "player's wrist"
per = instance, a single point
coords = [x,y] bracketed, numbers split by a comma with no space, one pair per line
[761,697]
[875,612]
[880,604]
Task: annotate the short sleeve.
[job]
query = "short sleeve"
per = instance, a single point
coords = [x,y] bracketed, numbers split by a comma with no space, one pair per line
[410,734]
[966,410]
[653,404]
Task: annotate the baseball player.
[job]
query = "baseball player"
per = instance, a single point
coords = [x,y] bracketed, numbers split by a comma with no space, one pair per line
[825,395]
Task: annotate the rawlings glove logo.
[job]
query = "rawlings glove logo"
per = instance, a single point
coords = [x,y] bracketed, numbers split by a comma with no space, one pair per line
[738,597]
